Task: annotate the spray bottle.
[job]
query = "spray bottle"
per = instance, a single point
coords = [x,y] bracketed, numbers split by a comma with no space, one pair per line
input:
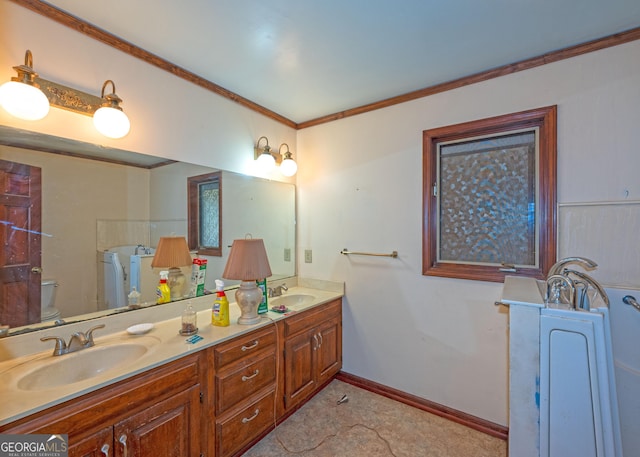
[163,292]
[262,306]
[220,311]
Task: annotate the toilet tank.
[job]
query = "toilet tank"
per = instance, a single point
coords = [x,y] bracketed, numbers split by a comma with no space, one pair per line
[48,292]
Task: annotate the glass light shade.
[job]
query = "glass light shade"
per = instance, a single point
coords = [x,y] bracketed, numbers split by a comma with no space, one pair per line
[23,101]
[111,122]
[266,162]
[288,167]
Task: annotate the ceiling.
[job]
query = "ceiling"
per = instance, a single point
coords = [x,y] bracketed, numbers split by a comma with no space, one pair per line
[306,59]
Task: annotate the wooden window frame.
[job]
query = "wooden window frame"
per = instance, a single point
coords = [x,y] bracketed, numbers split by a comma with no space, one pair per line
[545,119]
[193,216]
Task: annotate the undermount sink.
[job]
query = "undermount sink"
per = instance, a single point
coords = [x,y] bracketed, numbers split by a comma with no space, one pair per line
[293,300]
[79,366]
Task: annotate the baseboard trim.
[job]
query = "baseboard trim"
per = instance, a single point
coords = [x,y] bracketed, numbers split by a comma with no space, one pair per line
[476,423]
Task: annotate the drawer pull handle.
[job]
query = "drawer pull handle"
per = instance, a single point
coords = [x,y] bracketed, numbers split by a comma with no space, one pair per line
[123,440]
[321,340]
[105,449]
[246,348]
[249,419]
[246,378]
[317,345]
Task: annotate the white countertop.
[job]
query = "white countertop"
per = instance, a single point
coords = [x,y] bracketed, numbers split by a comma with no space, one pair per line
[521,291]
[164,341]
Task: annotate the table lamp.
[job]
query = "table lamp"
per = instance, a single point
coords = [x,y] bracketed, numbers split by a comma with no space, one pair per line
[172,253]
[248,262]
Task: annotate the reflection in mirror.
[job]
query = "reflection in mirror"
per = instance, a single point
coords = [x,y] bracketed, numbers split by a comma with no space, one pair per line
[92,209]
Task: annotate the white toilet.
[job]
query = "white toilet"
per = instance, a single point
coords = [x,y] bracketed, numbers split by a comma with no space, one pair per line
[47,299]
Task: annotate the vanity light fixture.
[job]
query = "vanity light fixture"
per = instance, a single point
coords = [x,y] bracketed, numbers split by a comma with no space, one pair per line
[22,97]
[28,97]
[265,160]
[248,262]
[288,167]
[109,119]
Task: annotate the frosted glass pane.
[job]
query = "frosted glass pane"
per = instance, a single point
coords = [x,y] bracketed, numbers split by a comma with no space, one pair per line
[209,202]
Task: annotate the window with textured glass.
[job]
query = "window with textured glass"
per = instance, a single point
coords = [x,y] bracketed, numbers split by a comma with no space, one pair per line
[205,213]
[489,197]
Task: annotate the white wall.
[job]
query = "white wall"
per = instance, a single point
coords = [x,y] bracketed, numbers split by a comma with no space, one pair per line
[360,187]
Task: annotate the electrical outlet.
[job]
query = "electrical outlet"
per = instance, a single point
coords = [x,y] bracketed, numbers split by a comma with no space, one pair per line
[287,254]
[308,258]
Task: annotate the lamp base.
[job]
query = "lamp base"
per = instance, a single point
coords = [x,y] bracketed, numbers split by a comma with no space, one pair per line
[176,283]
[248,297]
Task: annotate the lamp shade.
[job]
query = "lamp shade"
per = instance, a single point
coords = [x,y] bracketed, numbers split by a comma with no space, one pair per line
[172,251]
[247,261]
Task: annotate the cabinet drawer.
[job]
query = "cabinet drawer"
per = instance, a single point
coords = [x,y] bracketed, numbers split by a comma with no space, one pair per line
[240,429]
[238,383]
[244,346]
[308,319]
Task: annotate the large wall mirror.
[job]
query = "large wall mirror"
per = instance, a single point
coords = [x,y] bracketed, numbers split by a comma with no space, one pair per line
[96,202]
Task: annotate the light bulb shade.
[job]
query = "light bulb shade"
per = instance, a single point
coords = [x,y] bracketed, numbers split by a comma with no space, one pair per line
[288,167]
[247,261]
[172,251]
[266,162]
[111,122]
[23,101]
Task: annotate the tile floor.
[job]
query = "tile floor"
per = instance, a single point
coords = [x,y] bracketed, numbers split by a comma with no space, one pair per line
[373,426]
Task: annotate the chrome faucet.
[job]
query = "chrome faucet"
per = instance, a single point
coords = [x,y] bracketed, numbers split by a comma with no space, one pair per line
[558,267]
[560,278]
[277,291]
[556,285]
[78,341]
[588,281]
[138,247]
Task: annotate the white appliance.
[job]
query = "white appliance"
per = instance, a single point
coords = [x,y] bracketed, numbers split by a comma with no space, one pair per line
[121,268]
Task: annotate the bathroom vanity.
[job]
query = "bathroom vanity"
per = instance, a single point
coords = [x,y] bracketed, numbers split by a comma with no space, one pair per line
[215,398]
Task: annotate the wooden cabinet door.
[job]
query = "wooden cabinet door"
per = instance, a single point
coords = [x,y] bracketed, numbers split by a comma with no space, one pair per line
[99,444]
[329,353]
[299,360]
[169,428]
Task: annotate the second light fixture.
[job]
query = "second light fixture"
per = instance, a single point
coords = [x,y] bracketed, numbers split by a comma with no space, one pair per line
[267,160]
